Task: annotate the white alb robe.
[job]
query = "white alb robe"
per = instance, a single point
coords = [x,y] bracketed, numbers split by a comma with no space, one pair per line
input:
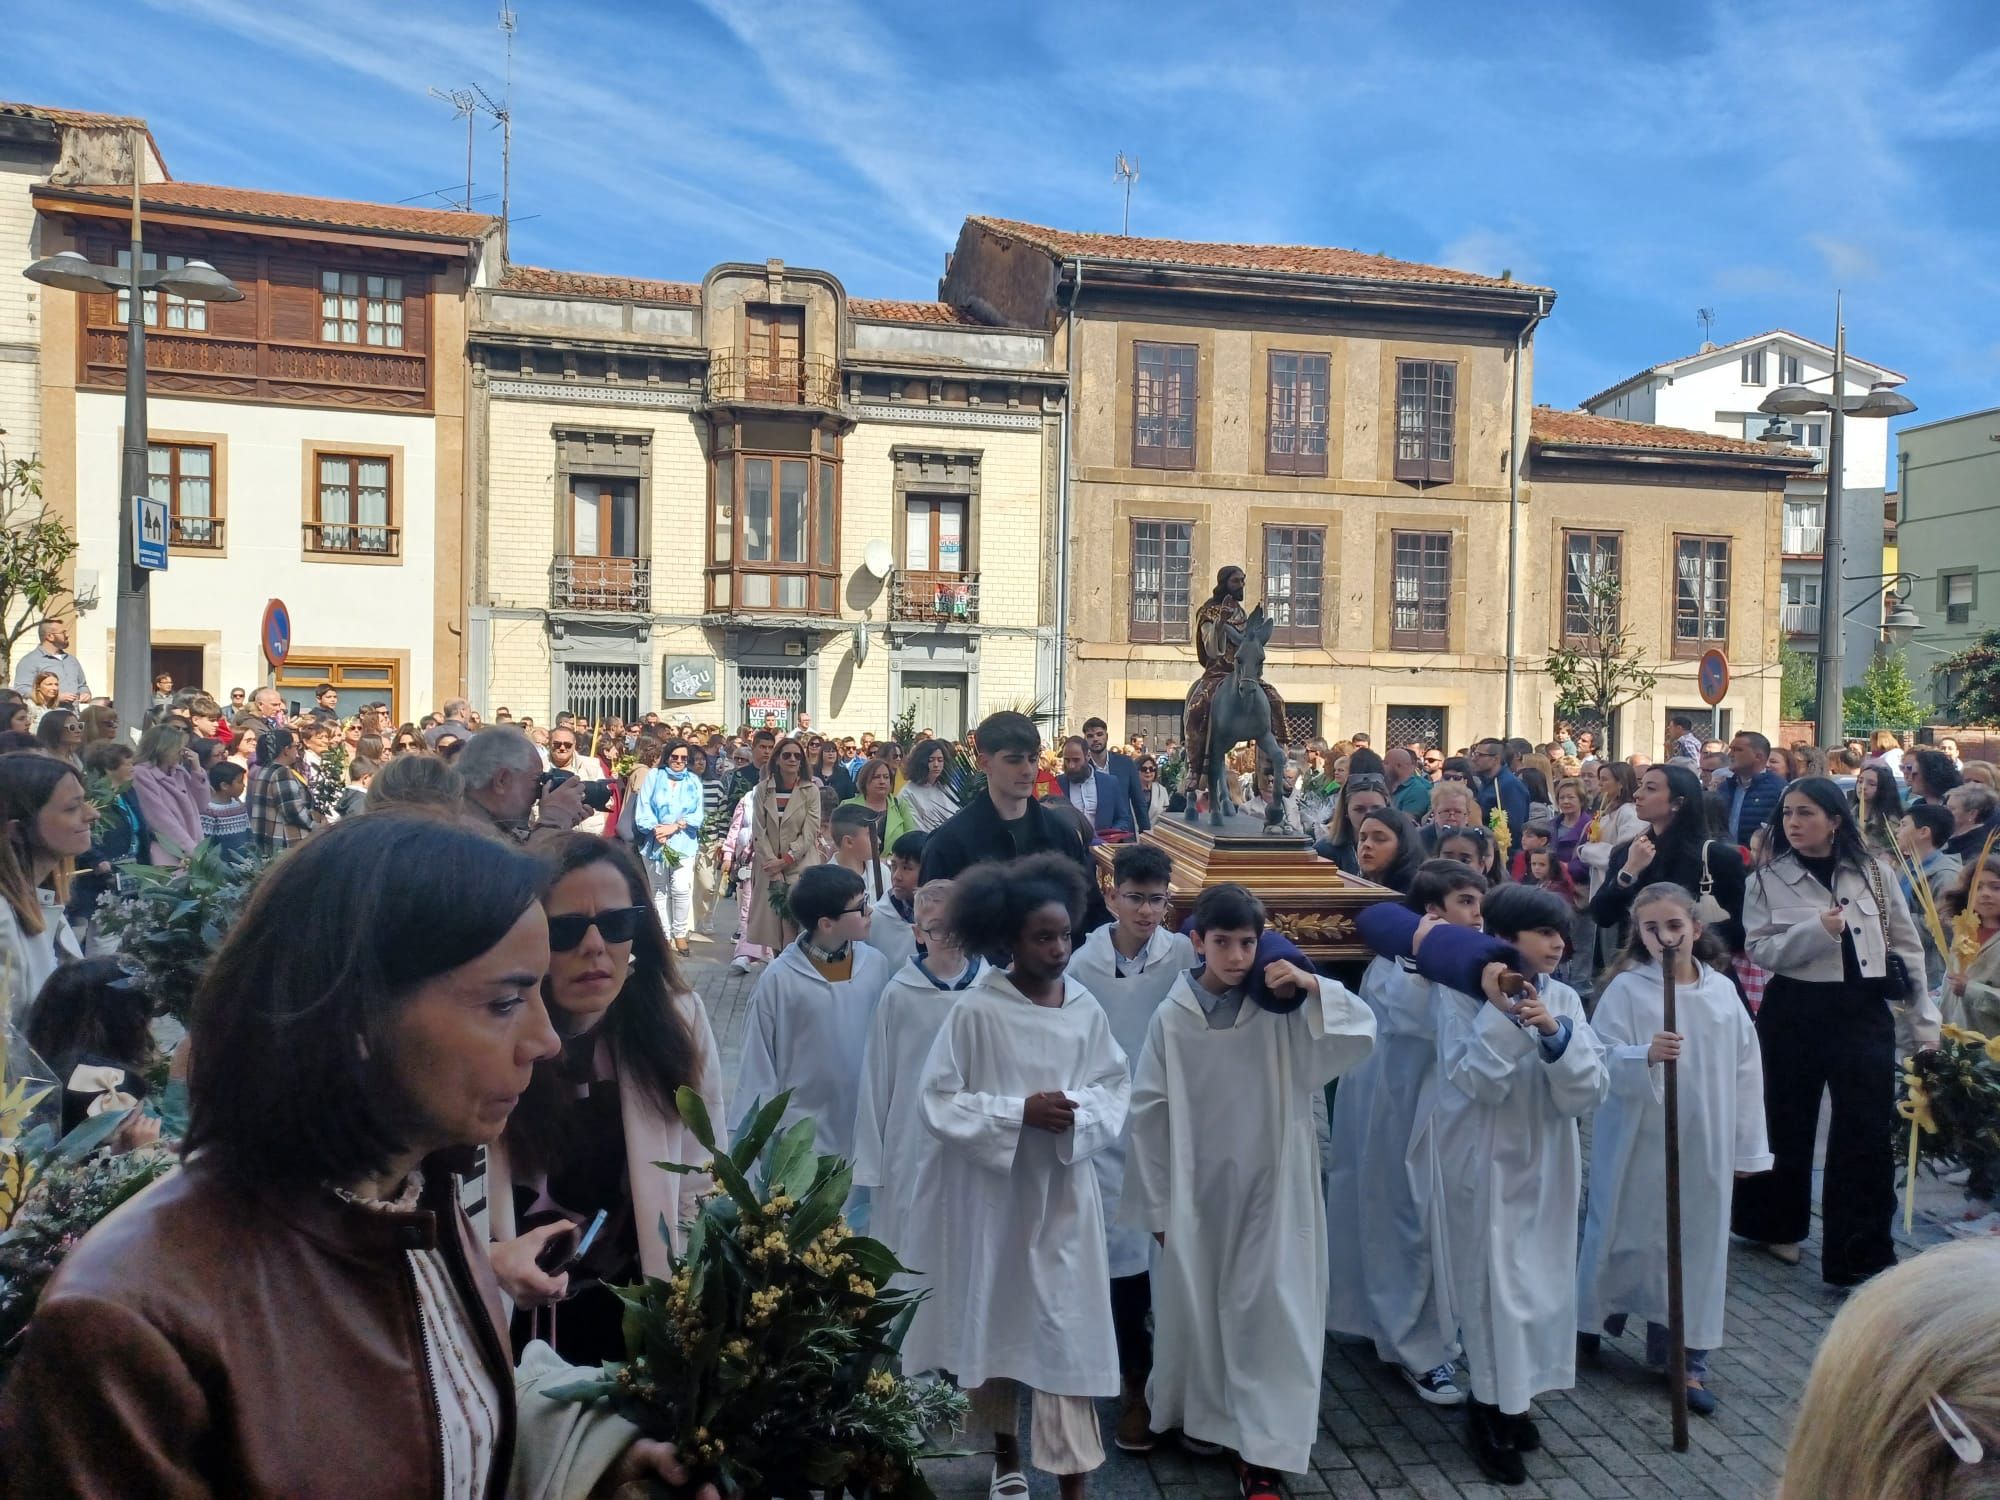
[1382,1189]
[1007,1222]
[1129,1004]
[1720,1078]
[1224,1161]
[809,1034]
[890,1137]
[889,935]
[1511,1169]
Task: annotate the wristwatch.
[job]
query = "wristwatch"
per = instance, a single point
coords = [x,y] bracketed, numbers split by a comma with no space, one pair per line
[1626,877]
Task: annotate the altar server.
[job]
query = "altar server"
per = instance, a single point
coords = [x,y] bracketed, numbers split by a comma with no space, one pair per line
[1223,1164]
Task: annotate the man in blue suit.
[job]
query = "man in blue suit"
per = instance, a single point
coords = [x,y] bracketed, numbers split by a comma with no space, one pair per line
[1754,790]
[1096,794]
[1121,768]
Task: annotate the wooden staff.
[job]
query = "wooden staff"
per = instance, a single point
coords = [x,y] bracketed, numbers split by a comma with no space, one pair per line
[1677,1356]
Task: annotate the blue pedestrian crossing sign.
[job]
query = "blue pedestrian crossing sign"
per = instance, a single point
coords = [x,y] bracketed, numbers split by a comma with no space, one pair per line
[149,533]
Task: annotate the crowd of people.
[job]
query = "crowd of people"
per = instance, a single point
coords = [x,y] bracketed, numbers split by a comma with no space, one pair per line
[1104,1141]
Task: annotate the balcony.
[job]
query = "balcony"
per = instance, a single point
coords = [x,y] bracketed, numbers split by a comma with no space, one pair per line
[773,380]
[352,539]
[601,583]
[935,598]
[195,533]
[1799,619]
[1804,541]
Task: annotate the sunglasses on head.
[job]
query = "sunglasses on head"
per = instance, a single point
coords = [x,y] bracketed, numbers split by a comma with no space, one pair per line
[619,924]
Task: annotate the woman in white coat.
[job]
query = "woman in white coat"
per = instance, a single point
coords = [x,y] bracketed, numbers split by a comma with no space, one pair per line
[1615,822]
[1827,919]
[596,1117]
[48,820]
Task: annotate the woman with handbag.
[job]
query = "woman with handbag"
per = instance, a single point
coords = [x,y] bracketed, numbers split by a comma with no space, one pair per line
[1846,977]
[1675,845]
[785,837]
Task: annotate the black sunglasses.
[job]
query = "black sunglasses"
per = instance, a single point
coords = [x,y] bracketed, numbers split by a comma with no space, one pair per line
[619,924]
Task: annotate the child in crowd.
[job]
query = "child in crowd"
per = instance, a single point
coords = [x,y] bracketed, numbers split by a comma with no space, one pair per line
[1471,845]
[850,836]
[890,1137]
[1623,1268]
[893,927]
[1972,995]
[1381,1194]
[1024,1089]
[1223,1165]
[225,821]
[1129,967]
[92,1024]
[1515,1073]
[811,1011]
[355,799]
[1537,835]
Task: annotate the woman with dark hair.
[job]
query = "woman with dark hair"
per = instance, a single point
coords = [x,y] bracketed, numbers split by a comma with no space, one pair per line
[1359,794]
[784,836]
[828,769]
[1388,848]
[595,1119]
[1931,774]
[1847,969]
[60,734]
[924,796]
[92,1023]
[48,820]
[1676,845]
[304,1308]
[1879,807]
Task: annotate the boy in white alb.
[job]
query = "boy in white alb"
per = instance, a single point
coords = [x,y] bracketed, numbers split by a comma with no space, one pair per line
[890,1137]
[892,928]
[1223,1166]
[1515,1074]
[1129,967]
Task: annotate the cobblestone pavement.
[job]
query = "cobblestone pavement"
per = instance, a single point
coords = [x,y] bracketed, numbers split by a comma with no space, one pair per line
[1609,1437]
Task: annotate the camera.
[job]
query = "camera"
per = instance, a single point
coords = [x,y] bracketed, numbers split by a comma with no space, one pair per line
[596,794]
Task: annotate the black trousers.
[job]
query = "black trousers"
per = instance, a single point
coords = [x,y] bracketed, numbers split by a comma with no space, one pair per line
[1131,1307]
[1840,1039]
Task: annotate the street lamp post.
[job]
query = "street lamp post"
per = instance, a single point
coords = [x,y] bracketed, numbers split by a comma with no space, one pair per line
[1797,400]
[196,281]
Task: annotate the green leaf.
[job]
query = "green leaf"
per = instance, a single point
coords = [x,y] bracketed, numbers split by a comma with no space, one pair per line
[793,1165]
[757,1128]
[876,1260]
[820,1207]
[87,1137]
[694,1114]
[734,1182]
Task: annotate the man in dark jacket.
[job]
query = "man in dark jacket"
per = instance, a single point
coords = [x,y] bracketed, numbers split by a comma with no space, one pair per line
[1121,769]
[1754,790]
[1492,764]
[1004,821]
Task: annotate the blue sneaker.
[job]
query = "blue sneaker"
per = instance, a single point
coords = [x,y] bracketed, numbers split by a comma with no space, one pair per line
[1701,1400]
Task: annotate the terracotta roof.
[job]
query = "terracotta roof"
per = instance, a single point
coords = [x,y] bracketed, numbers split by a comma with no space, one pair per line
[590,284]
[288,208]
[1302,260]
[1667,366]
[885,311]
[80,117]
[1580,428]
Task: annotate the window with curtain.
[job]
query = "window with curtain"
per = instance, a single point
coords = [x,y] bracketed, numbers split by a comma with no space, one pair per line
[183,476]
[1701,593]
[353,507]
[1296,440]
[604,518]
[774,526]
[1162,578]
[1590,570]
[1420,590]
[357,307]
[161,309]
[1426,410]
[1294,565]
[1163,397]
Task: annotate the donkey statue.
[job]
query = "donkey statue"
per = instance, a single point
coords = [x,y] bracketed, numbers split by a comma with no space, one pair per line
[1241,711]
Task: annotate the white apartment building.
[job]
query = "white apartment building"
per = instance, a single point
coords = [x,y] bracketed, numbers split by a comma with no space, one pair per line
[1717,390]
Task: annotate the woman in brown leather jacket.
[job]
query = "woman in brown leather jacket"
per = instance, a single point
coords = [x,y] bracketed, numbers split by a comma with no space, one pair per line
[303,1309]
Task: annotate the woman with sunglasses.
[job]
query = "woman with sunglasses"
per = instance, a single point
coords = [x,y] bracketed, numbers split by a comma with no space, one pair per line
[784,838]
[1359,795]
[1157,796]
[407,740]
[668,821]
[597,1116]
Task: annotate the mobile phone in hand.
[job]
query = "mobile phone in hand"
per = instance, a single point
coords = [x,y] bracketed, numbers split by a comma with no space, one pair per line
[563,1251]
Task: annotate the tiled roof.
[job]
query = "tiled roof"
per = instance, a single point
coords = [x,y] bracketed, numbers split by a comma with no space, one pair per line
[1668,366]
[1547,425]
[288,208]
[1302,260]
[885,311]
[590,284]
[79,117]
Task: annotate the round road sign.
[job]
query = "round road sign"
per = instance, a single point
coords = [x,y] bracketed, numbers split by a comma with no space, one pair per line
[1713,676]
[276,633]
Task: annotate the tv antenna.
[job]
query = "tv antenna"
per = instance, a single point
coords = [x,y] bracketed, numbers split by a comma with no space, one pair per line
[463,107]
[1126,171]
[468,103]
[1706,317]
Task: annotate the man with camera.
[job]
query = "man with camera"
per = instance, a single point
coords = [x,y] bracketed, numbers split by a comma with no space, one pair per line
[570,757]
[504,781]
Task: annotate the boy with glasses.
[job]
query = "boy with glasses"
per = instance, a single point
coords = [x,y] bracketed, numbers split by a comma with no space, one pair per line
[1128,968]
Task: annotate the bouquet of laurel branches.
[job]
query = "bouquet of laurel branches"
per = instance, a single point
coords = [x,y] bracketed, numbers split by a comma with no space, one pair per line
[1950,1096]
[767,1356]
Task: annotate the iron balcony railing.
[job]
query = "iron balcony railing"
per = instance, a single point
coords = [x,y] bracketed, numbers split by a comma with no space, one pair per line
[942,598]
[774,380]
[601,583]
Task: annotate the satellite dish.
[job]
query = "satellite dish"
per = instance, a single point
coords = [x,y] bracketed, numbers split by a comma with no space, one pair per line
[878,559]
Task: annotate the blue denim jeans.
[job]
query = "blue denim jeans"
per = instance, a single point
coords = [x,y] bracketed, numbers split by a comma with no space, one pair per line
[1656,1346]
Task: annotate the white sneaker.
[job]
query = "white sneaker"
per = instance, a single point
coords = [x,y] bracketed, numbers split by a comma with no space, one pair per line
[739,964]
[1440,1387]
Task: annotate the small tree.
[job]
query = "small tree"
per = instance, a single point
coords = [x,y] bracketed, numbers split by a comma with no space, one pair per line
[1884,698]
[35,547]
[1798,688]
[1599,670]
[1970,682]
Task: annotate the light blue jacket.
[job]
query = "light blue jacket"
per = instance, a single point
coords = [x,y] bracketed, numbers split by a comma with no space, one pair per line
[667,798]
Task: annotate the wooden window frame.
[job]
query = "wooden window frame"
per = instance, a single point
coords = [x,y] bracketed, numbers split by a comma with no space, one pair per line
[934,503]
[1160,629]
[772,372]
[312,526]
[160,306]
[1421,637]
[820,564]
[1292,631]
[1600,541]
[1687,648]
[604,526]
[306,669]
[1436,438]
[366,309]
[1150,398]
[1284,393]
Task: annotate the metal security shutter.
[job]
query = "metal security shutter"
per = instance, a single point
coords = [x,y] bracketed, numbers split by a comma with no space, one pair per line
[788,683]
[1301,723]
[601,690]
[1709,723]
[1408,724]
[1158,719]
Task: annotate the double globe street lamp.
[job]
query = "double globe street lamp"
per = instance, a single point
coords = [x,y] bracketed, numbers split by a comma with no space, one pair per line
[195,281]
[1799,400]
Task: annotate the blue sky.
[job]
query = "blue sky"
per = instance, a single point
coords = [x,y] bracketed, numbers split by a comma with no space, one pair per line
[1643,159]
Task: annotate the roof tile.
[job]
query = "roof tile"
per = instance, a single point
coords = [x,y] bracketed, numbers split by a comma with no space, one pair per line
[1547,425]
[1304,260]
[289,208]
[880,309]
[80,117]
[592,284]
